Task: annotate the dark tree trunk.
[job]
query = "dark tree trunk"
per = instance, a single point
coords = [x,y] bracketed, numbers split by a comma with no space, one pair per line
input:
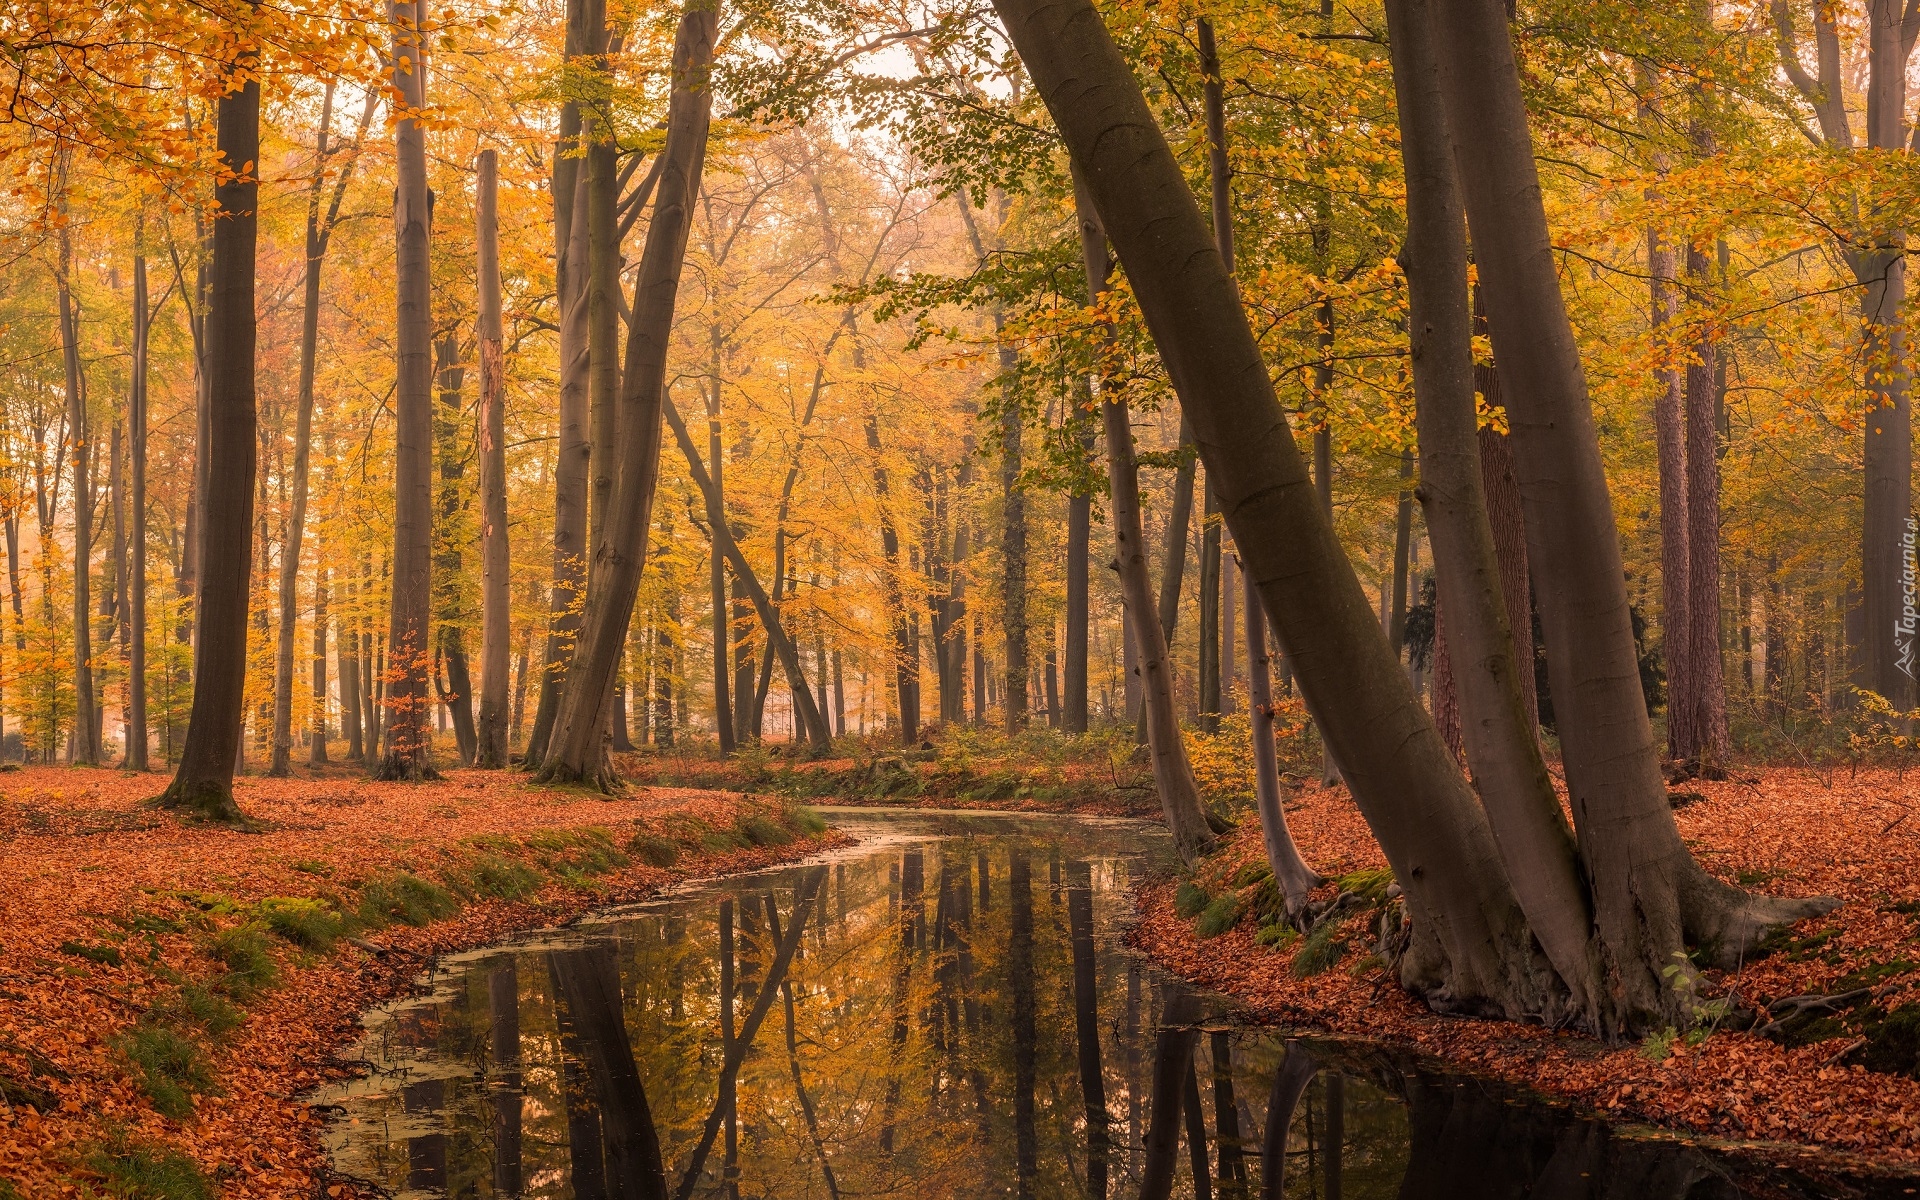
[203,783]
[136,753]
[906,657]
[407,746]
[451,610]
[503,1012]
[1670,446]
[1079,537]
[496,617]
[86,728]
[1708,717]
[570,546]
[1495,732]
[317,746]
[1471,949]
[1402,544]
[1172,772]
[348,648]
[1173,1046]
[1644,915]
[578,748]
[1026,1035]
[1086,1023]
[588,984]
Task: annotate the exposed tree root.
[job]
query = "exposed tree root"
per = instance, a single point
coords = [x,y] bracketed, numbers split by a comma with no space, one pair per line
[405,768]
[206,801]
[1729,925]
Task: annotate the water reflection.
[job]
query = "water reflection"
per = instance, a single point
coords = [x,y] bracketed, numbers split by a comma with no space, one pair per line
[947,1011]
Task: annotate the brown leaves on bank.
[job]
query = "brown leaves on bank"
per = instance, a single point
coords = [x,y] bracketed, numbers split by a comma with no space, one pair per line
[1783,831]
[113,913]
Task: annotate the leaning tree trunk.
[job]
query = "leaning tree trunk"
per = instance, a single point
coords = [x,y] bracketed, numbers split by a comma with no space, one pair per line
[136,749]
[577,750]
[86,727]
[407,750]
[811,723]
[1496,734]
[203,783]
[906,656]
[1471,949]
[1172,772]
[1650,897]
[1291,874]
[496,629]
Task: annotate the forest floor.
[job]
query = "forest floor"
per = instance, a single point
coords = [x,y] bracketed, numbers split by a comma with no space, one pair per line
[1841,1088]
[169,990]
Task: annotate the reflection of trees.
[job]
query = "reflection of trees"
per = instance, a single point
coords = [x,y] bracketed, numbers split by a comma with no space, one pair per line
[1019,1047]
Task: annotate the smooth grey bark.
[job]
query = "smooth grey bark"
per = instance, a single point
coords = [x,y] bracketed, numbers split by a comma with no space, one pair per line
[1402,544]
[1650,898]
[408,734]
[1172,772]
[319,233]
[1508,768]
[1079,539]
[1471,950]
[577,748]
[203,782]
[496,618]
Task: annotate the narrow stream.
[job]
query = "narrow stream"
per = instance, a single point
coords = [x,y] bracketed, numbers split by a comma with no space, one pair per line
[944,1010]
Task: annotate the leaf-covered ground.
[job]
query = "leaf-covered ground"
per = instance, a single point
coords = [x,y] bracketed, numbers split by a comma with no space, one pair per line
[1778,830]
[150,966]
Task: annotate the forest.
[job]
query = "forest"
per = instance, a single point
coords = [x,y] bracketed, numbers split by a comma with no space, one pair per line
[1447,461]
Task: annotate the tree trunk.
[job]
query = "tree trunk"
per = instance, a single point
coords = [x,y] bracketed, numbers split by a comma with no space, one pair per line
[1496,734]
[577,749]
[1708,717]
[570,548]
[203,783]
[1402,544]
[906,658]
[317,750]
[136,752]
[1670,445]
[407,747]
[1291,874]
[1079,537]
[1210,612]
[348,648]
[1220,191]
[86,730]
[1650,898]
[1172,772]
[1471,950]
[496,617]
[811,723]
[452,615]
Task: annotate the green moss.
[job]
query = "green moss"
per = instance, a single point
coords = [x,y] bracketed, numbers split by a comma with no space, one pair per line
[248,957]
[198,1004]
[146,922]
[169,1067]
[494,876]
[1370,885]
[1893,1042]
[652,849]
[805,821]
[1320,951]
[1252,873]
[312,924]
[1868,976]
[758,829]
[1189,898]
[1277,934]
[312,867]
[406,898]
[1218,916]
[136,1170]
[93,952]
[8,1190]
[694,834]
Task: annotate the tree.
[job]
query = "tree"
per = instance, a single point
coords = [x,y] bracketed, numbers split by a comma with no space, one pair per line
[576,750]
[203,783]
[407,751]
[1471,948]
[319,232]
[495,616]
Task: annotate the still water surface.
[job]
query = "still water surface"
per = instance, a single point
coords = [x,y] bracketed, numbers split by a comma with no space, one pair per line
[945,1010]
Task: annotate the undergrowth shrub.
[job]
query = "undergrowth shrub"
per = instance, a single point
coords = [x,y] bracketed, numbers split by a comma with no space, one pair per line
[244,951]
[138,1170]
[406,898]
[805,820]
[1320,951]
[198,1004]
[758,829]
[169,1066]
[1218,916]
[1189,898]
[310,924]
[652,849]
